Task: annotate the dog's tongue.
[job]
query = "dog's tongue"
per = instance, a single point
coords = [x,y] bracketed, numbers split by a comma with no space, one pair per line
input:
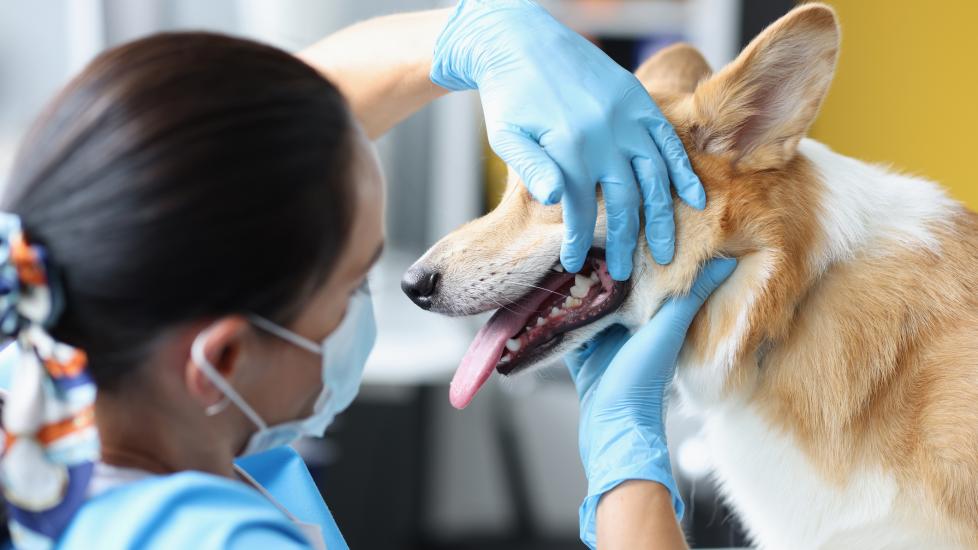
[487,347]
[483,354]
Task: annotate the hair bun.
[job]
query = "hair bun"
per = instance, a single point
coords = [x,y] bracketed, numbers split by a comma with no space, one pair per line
[50,436]
[29,293]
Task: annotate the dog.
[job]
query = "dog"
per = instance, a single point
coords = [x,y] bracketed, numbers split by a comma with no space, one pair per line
[836,370]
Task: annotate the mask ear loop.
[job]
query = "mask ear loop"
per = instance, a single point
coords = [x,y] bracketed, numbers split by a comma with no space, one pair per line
[286,334]
[230,394]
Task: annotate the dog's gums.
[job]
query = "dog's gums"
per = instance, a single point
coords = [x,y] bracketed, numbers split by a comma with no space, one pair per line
[526,330]
[579,299]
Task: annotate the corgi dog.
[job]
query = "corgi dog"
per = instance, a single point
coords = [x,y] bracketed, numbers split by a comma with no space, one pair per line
[836,370]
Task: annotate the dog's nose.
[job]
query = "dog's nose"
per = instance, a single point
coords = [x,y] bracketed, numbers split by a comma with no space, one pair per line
[419,284]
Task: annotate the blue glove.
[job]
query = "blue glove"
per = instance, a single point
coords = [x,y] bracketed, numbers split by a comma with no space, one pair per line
[565,117]
[622,381]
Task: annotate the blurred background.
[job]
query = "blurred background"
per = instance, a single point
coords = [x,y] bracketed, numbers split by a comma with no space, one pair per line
[402,469]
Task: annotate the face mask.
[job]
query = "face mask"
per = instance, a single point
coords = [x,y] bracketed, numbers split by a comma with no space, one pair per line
[344,353]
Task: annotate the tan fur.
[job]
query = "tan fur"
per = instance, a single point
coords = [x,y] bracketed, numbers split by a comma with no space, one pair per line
[874,360]
[871,361]
[879,367]
[675,69]
[729,106]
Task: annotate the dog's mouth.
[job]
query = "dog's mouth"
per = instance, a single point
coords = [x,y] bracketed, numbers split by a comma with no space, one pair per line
[523,332]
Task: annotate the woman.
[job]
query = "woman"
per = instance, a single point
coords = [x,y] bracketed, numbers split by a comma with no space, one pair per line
[189,226]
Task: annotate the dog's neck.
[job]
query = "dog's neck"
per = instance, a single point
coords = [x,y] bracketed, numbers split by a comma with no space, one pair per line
[863,219]
[864,205]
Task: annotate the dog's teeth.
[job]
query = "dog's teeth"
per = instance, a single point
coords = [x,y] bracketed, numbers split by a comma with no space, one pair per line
[582,285]
[559,268]
[513,345]
[581,280]
[554,312]
[567,301]
[576,302]
[594,277]
[505,359]
[540,322]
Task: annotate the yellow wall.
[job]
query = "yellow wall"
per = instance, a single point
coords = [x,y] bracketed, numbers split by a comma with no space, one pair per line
[905,92]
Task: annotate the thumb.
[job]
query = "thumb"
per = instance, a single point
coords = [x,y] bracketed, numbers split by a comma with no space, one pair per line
[588,363]
[539,172]
[711,276]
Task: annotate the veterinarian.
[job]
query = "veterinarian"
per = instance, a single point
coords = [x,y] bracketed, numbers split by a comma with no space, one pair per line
[188,228]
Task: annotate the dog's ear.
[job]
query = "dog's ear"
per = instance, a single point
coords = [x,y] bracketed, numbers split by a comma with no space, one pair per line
[758,107]
[676,69]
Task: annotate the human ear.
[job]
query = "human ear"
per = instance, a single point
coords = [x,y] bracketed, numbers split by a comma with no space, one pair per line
[221,344]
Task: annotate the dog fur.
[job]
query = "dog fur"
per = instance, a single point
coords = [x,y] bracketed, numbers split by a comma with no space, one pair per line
[837,369]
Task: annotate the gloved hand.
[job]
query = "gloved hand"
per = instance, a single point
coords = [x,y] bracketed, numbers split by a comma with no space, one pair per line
[565,117]
[622,381]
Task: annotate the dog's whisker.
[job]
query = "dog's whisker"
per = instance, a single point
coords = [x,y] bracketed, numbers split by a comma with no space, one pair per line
[517,304]
[540,288]
[503,306]
[507,308]
[523,259]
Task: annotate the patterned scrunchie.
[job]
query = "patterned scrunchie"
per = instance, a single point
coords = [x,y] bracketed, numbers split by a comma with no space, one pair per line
[49,443]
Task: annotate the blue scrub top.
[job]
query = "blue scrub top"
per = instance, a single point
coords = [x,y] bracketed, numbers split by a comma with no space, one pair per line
[198,510]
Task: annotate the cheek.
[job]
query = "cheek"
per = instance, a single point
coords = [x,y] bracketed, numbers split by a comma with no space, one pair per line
[303,375]
[290,382]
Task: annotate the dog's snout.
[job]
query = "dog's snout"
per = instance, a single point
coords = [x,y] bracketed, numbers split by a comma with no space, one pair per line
[420,283]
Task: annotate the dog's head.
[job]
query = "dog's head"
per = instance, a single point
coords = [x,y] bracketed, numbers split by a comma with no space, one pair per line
[741,127]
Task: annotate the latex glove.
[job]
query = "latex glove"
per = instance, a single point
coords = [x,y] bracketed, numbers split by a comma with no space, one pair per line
[565,116]
[622,381]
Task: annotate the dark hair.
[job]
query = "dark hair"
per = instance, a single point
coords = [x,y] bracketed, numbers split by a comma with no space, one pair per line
[180,177]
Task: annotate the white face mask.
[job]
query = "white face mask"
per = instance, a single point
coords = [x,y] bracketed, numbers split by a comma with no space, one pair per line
[344,353]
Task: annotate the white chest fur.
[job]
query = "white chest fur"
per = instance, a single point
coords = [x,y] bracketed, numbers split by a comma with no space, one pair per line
[779,496]
[785,504]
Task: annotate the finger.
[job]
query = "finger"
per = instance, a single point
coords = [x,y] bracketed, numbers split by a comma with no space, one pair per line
[601,350]
[621,203]
[539,172]
[666,331]
[585,376]
[713,274]
[687,183]
[575,358]
[660,226]
[573,361]
[580,210]
[580,215]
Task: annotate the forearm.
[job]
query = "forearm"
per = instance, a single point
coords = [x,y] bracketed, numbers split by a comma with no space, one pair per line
[382,66]
[638,514]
